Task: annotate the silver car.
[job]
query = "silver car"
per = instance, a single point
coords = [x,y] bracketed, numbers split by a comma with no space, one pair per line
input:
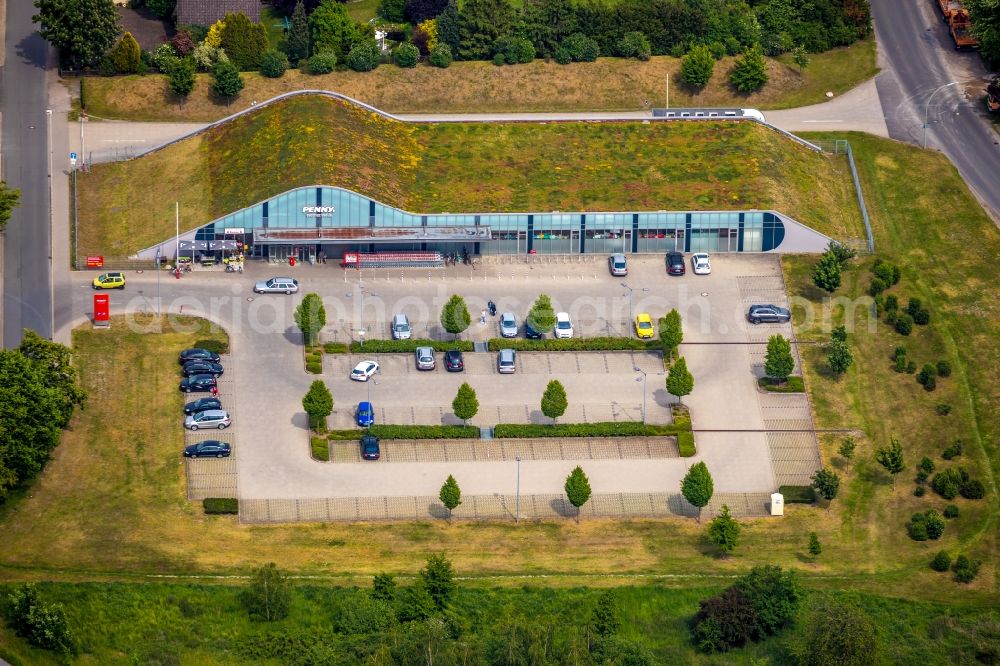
[506,361]
[277,285]
[210,418]
[508,325]
[618,265]
[425,358]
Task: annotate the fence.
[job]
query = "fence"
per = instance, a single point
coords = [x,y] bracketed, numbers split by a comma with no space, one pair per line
[843,147]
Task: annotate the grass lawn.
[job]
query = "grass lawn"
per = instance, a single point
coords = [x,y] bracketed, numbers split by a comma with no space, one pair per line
[609,84]
[513,167]
[274,23]
[361,11]
[792,385]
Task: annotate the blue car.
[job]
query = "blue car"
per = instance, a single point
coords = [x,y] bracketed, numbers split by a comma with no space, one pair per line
[365,414]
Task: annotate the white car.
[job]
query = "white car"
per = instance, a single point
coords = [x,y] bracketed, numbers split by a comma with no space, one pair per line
[277,285]
[364,370]
[700,264]
[564,327]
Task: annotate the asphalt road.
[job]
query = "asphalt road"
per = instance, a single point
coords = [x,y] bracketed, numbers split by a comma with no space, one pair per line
[921,57]
[23,101]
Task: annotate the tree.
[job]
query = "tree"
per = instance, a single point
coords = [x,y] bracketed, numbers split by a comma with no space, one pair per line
[554,400]
[480,23]
[10,198]
[577,489]
[391,11]
[310,316]
[228,82]
[438,577]
[450,495]
[244,41]
[440,56]
[273,64]
[697,66]
[331,29]
[679,381]
[847,448]
[297,42]
[815,548]
[181,77]
[826,482]
[671,333]
[541,317]
[455,316]
[183,43]
[801,58]
[287,7]
[162,8]
[466,404]
[839,357]
[837,633]
[826,273]
[383,587]
[548,22]
[364,56]
[318,403]
[698,487]
[775,596]
[891,458]
[407,55]
[605,619]
[985,18]
[268,597]
[43,625]
[82,30]
[126,56]
[779,363]
[750,71]
[448,27]
[418,11]
[213,37]
[724,531]
[54,363]
[634,45]
[414,604]
[322,63]
[723,622]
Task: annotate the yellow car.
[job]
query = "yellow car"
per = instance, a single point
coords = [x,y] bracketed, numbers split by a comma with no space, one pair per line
[644,326]
[110,281]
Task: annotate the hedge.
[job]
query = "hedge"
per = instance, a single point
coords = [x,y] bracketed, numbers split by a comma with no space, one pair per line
[793,385]
[404,346]
[601,429]
[320,448]
[221,505]
[335,347]
[315,368]
[798,494]
[575,344]
[410,432]
[685,443]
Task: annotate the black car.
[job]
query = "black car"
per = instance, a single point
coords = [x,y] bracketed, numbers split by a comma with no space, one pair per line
[369,447]
[197,355]
[531,333]
[198,384]
[770,313]
[201,404]
[202,368]
[675,263]
[210,448]
[453,361]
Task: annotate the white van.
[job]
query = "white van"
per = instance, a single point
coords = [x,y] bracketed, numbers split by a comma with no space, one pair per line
[400,327]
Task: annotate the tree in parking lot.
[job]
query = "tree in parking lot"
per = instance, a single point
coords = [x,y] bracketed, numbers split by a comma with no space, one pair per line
[450,495]
[318,403]
[577,489]
[680,382]
[310,316]
[455,316]
[542,316]
[466,404]
[554,401]
[671,333]
[778,363]
[698,487]
[269,595]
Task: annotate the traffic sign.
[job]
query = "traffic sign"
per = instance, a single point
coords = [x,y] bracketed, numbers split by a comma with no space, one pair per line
[72,159]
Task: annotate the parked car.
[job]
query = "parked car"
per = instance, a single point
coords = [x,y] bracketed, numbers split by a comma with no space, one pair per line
[453,361]
[700,263]
[209,448]
[277,285]
[618,265]
[564,327]
[769,313]
[365,414]
[197,355]
[362,371]
[401,327]
[675,263]
[531,333]
[202,368]
[201,404]
[109,281]
[369,447]
[644,326]
[508,325]
[425,358]
[210,418]
[198,384]
[506,361]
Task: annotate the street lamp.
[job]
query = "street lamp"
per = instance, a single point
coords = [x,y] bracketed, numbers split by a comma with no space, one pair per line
[927,107]
[361,333]
[630,314]
[371,380]
[643,380]
[517,492]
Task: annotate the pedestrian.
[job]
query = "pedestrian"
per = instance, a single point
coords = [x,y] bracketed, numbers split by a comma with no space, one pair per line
[482,317]
[215,391]
[322,257]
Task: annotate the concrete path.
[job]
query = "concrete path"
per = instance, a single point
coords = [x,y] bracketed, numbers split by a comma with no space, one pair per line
[859,109]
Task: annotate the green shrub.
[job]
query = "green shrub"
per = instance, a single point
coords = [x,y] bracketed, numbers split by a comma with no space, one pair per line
[890,317]
[440,56]
[919,491]
[911,367]
[697,66]
[921,476]
[913,306]
[944,369]
[926,464]
[922,317]
[749,73]
[953,451]
[634,45]
[951,511]
[322,63]
[900,365]
[941,561]
[273,64]
[562,56]
[943,409]
[599,429]
[891,303]
[407,55]
[320,447]
[499,59]
[876,287]
[947,483]
[314,358]
[935,524]
[408,346]
[904,324]
[335,348]
[685,443]
[887,272]
[364,57]
[798,494]
[965,569]
[315,368]
[972,489]
[793,385]
[384,431]
[221,505]
[574,344]
[839,334]
[917,529]
[513,50]
[581,48]
[43,625]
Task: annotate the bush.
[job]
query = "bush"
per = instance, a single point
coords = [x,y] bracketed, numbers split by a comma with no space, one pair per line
[928,372]
[972,489]
[839,334]
[943,409]
[499,59]
[922,317]
[935,524]
[926,464]
[904,324]
[315,368]
[697,67]
[513,50]
[953,451]
[911,367]
[930,384]
[562,55]
[599,429]
[322,63]
[221,505]
[917,530]
[941,561]
[634,45]
[750,71]
[126,55]
[965,569]
[164,57]
[581,48]
[919,491]
[409,346]
[951,511]
[793,384]
[364,57]
[335,348]
[573,344]
[43,625]
[890,317]
[685,443]
[320,448]
[913,306]
[921,476]
[943,369]
[798,494]
[440,56]
[273,64]
[891,303]
[876,287]
[409,432]
[887,272]
[407,55]
[947,483]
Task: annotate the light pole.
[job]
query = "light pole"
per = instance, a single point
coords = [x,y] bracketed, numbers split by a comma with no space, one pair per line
[371,380]
[361,290]
[927,107]
[517,492]
[52,309]
[630,315]
[638,369]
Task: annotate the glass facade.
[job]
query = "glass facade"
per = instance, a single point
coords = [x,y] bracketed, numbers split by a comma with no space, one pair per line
[512,233]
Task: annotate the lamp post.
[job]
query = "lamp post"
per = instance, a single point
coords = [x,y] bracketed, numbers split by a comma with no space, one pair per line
[371,380]
[630,314]
[361,333]
[927,107]
[643,380]
[517,492]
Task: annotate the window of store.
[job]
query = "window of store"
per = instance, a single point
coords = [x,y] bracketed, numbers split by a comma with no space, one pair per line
[607,233]
[556,233]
